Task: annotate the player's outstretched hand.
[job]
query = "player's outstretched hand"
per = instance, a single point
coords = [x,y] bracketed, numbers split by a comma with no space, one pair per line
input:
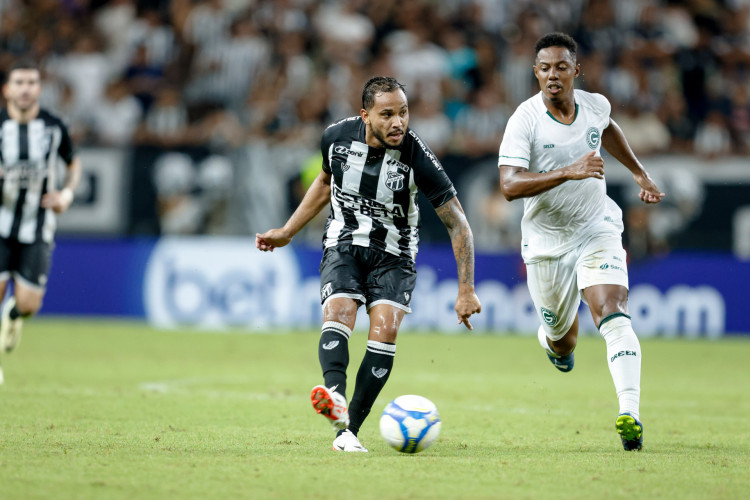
[467,304]
[588,165]
[650,192]
[269,240]
[58,201]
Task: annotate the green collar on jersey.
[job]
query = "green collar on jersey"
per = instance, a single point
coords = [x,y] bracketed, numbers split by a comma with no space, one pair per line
[561,123]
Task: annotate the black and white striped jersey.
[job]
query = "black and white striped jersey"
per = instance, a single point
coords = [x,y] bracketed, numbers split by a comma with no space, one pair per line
[29,154]
[374,190]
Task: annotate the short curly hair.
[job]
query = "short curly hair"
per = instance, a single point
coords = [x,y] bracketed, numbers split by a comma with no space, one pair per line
[556,39]
[377,85]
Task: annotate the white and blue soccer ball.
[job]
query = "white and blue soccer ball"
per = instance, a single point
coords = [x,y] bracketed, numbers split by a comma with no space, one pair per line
[410,424]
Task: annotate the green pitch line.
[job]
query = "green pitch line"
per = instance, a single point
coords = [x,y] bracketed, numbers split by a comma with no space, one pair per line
[94,410]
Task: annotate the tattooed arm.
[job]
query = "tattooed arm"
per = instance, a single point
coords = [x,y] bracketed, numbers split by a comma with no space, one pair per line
[462,241]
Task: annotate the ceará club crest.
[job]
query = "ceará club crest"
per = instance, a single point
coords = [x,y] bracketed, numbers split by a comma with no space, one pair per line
[394,181]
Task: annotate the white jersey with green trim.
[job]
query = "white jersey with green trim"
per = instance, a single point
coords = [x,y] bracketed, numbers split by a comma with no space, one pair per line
[560,219]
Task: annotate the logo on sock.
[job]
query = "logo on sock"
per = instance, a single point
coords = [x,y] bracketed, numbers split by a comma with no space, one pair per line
[330,345]
[549,317]
[380,372]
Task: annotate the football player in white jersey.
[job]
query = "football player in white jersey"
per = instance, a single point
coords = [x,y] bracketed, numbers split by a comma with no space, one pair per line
[571,230]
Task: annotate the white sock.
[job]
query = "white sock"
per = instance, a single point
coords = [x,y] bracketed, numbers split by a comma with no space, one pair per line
[542,336]
[624,360]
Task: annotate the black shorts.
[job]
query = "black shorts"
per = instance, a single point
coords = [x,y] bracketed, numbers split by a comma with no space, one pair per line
[370,277]
[25,262]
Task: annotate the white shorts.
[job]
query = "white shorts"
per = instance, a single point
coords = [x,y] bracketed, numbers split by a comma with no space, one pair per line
[556,284]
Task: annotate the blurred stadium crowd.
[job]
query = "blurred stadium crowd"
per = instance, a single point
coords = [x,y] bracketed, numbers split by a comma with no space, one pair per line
[255,82]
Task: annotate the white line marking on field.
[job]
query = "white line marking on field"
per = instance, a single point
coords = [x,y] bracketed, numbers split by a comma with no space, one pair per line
[196,386]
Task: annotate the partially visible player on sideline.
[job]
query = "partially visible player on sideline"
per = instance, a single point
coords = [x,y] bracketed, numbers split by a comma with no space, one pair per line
[373,166]
[31,141]
[571,230]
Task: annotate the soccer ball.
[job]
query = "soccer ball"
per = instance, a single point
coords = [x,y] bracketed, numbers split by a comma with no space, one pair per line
[410,423]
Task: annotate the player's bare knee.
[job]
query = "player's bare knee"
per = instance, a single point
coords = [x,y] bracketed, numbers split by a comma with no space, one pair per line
[611,307]
[385,321]
[341,312]
[28,305]
[383,333]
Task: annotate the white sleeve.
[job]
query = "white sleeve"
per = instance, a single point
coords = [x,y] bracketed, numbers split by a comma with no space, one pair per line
[515,149]
[603,107]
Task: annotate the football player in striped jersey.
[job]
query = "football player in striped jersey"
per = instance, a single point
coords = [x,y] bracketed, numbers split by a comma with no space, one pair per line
[373,168]
[32,141]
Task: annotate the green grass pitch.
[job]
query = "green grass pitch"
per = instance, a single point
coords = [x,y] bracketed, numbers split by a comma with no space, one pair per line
[102,409]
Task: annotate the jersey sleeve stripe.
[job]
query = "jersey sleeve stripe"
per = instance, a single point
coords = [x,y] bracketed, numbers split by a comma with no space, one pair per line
[515,157]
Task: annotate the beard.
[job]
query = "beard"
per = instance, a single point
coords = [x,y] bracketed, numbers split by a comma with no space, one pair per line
[383,139]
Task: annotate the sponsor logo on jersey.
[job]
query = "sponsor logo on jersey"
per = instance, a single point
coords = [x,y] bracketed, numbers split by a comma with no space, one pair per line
[593,136]
[331,345]
[346,151]
[344,166]
[604,266]
[392,162]
[549,317]
[426,151]
[395,181]
[379,372]
[351,118]
[326,291]
[26,174]
[549,146]
[365,206]
[407,297]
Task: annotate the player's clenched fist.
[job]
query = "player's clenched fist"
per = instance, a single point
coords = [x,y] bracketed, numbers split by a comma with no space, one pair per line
[589,165]
[269,240]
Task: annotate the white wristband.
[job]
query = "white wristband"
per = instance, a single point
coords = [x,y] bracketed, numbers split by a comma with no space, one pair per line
[67,195]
